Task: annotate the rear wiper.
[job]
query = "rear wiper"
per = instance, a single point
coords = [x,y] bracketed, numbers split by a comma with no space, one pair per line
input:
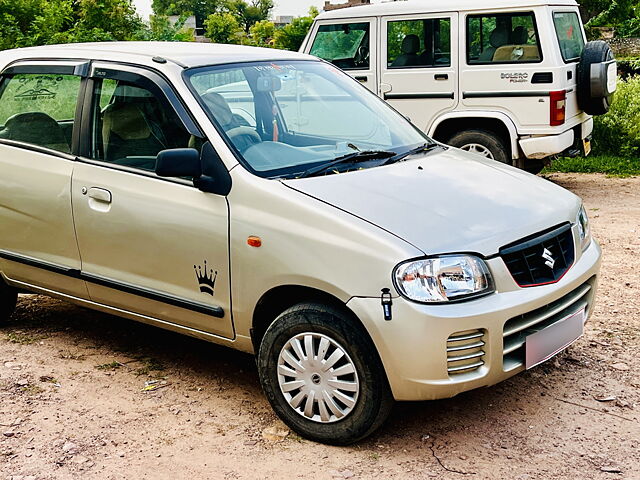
[354,157]
[427,147]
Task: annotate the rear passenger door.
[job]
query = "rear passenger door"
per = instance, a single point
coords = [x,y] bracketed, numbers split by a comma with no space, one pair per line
[38,136]
[418,63]
[156,247]
[350,45]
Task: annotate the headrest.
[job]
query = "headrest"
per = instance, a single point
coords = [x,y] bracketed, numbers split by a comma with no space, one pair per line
[520,36]
[411,44]
[127,121]
[219,108]
[499,37]
[37,128]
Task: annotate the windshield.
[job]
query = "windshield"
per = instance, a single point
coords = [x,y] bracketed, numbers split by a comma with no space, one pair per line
[287,117]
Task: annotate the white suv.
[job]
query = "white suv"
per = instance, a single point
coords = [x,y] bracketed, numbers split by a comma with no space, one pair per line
[513,80]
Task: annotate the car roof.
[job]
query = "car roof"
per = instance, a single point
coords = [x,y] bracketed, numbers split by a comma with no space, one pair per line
[186,54]
[429,6]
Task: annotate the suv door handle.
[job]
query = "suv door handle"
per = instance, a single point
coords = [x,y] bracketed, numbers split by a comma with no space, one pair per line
[362,78]
[441,76]
[100,194]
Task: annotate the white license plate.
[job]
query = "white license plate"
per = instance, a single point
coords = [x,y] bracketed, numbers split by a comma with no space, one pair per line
[543,345]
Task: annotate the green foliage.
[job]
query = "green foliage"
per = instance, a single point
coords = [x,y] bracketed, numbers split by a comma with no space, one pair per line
[200,8]
[291,36]
[262,34]
[618,132]
[609,164]
[223,28]
[161,29]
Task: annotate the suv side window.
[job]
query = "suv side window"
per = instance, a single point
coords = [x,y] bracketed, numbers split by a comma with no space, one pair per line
[130,125]
[346,45]
[39,109]
[419,43]
[502,38]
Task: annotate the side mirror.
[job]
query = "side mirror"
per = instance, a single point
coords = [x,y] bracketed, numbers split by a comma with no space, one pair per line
[179,162]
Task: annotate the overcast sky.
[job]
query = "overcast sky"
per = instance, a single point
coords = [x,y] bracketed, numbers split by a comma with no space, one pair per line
[282,7]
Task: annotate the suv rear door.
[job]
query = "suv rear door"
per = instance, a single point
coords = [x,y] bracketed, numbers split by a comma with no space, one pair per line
[418,62]
[39,124]
[157,247]
[350,45]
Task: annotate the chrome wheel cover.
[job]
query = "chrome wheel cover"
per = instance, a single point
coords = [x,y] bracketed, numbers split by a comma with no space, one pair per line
[478,149]
[318,378]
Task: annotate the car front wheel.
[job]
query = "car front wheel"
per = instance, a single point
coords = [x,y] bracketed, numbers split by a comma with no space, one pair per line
[322,375]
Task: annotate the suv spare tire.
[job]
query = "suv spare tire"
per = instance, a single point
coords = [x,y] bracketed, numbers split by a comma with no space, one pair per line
[597,77]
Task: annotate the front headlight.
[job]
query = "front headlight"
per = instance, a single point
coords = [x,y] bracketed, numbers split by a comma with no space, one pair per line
[443,279]
[583,228]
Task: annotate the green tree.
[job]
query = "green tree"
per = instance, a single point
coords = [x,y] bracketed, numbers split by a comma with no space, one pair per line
[223,28]
[249,14]
[107,20]
[161,29]
[262,34]
[291,36]
[201,9]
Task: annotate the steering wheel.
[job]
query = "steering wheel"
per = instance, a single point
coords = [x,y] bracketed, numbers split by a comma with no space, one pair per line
[244,137]
[362,56]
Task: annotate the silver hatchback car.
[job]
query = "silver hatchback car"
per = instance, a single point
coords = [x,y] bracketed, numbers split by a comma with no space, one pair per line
[266,201]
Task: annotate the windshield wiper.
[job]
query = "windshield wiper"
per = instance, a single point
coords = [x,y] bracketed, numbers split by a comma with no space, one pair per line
[355,157]
[426,147]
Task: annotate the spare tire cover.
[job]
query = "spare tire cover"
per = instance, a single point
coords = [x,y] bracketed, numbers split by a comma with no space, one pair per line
[596,85]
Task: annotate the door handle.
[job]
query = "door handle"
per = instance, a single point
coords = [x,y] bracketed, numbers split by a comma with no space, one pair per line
[362,78]
[99,194]
[441,76]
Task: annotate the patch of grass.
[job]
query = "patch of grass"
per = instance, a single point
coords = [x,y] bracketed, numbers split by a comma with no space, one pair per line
[67,355]
[23,338]
[32,389]
[109,366]
[611,165]
[149,365]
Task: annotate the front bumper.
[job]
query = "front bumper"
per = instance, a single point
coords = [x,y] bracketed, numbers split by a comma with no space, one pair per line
[413,346]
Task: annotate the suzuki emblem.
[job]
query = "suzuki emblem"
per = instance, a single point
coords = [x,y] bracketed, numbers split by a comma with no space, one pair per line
[550,261]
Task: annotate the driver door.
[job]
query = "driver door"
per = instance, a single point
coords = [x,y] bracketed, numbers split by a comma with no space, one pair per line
[350,45]
[157,247]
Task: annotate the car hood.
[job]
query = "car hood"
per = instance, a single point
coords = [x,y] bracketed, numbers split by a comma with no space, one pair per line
[447,202]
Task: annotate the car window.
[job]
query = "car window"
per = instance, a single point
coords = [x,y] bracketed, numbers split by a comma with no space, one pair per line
[346,45]
[502,38]
[39,109]
[419,43]
[569,33]
[131,125]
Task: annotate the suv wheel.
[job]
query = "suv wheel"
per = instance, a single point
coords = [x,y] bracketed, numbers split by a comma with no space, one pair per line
[8,299]
[482,142]
[595,87]
[322,375]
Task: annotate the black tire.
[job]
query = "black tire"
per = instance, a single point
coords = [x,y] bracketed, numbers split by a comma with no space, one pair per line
[374,399]
[8,299]
[489,140]
[594,52]
[534,166]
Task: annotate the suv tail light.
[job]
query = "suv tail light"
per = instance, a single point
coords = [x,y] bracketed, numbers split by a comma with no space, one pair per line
[558,107]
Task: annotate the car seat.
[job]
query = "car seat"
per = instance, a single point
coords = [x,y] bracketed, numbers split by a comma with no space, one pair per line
[498,38]
[410,48]
[36,128]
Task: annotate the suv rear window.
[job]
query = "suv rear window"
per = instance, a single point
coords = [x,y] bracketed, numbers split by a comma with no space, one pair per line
[569,33]
[502,38]
[346,45]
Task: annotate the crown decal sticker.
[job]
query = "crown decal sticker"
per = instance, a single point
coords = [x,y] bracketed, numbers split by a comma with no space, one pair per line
[206,278]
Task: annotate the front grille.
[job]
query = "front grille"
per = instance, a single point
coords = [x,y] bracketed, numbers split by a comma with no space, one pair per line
[464,351]
[540,259]
[518,328]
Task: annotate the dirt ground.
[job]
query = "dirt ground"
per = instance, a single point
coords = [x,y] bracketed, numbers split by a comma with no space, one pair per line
[72,403]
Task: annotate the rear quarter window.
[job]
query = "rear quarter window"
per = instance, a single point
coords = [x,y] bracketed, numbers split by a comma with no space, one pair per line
[569,32]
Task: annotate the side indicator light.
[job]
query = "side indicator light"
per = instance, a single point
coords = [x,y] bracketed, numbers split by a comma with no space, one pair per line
[253,241]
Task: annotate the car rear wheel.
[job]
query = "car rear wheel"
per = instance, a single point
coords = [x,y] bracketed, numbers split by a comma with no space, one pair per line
[322,375]
[481,142]
[8,299]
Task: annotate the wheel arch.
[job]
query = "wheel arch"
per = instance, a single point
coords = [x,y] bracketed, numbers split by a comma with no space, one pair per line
[444,127]
[276,300]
